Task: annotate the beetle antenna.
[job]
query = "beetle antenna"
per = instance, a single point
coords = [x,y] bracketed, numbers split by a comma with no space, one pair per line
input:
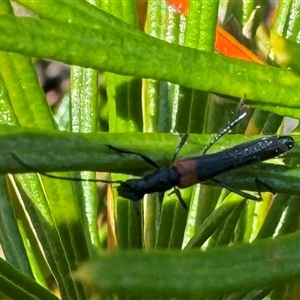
[78,179]
[228,127]
[224,131]
[180,145]
[144,157]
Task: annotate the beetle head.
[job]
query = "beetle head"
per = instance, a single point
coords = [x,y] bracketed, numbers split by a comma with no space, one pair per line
[131,190]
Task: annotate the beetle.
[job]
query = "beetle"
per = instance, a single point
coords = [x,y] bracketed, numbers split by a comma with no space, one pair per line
[192,170]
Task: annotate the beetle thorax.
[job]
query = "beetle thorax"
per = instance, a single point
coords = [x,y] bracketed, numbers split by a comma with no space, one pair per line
[161,180]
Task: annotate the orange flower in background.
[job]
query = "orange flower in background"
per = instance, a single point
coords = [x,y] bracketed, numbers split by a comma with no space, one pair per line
[180,5]
[224,42]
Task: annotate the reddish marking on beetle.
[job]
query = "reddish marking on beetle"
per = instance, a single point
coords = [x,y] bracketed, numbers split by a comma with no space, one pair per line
[188,172]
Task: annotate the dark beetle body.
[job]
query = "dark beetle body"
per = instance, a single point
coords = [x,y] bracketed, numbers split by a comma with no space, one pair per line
[189,171]
[163,179]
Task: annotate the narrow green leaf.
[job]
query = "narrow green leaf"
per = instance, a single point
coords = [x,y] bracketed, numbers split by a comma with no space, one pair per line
[212,222]
[84,117]
[15,285]
[273,218]
[91,47]
[48,233]
[11,239]
[195,274]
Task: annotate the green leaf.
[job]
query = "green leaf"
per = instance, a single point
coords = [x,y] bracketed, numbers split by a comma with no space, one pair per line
[195,274]
[11,238]
[15,285]
[92,47]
